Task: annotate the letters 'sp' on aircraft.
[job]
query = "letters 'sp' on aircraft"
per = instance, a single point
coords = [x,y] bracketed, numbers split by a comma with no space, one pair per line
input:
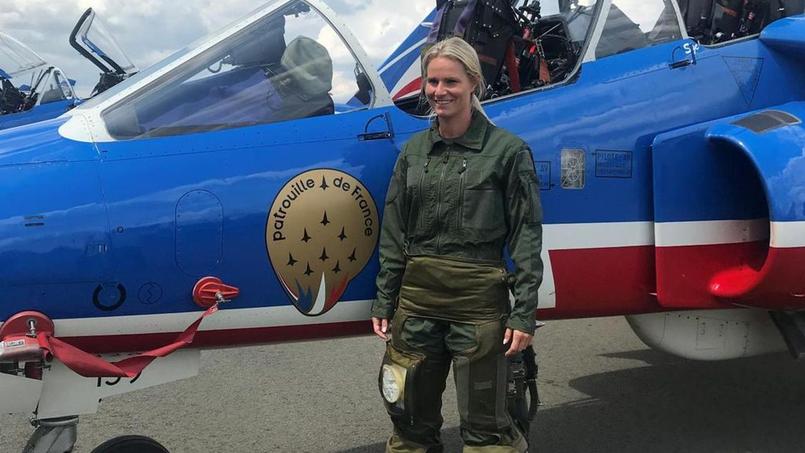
[252,166]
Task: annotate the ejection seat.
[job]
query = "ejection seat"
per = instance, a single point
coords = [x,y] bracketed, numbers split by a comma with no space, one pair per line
[12,100]
[489,26]
[307,80]
[52,95]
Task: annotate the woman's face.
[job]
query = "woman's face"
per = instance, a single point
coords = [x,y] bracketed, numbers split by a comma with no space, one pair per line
[448,88]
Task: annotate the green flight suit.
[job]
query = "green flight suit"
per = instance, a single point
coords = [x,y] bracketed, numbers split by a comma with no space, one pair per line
[451,207]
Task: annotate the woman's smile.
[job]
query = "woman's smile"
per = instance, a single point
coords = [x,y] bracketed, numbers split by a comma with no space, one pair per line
[449,90]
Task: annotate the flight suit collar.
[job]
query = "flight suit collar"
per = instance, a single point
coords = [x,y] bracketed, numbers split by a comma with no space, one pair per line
[472,139]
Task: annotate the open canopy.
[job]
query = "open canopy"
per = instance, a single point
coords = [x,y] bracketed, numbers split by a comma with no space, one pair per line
[16,58]
[91,38]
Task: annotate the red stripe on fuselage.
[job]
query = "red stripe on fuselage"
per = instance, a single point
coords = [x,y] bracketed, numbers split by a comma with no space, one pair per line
[725,275]
[778,285]
[411,87]
[602,282]
[684,272]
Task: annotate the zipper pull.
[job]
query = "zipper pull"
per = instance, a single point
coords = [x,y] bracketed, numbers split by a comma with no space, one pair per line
[446,158]
[426,164]
[463,166]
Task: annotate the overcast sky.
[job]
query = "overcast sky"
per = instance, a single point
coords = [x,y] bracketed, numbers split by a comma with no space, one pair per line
[149,30]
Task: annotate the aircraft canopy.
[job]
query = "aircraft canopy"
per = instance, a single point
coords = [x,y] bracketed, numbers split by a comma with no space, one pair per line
[91,37]
[16,58]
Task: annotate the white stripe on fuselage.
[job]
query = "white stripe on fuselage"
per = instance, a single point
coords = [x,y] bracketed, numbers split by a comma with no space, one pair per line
[410,75]
[787,234]
[778,234]
[226,318]
[676,234]
[598,235]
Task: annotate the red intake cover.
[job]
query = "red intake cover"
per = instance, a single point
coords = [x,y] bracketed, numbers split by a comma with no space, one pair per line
[207,289]
[17,344]
[18,324]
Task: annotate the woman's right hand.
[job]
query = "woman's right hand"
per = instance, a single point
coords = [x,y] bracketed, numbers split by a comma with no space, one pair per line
[380,326]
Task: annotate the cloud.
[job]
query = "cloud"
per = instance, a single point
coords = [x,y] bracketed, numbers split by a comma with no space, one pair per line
[149,30]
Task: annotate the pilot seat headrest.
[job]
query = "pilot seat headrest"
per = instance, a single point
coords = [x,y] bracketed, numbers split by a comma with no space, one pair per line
[263,46]
[308,66]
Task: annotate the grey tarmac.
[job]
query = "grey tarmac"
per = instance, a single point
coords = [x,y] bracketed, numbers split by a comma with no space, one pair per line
[602,390]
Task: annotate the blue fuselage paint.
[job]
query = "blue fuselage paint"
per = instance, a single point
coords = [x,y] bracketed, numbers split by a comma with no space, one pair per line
[38,113]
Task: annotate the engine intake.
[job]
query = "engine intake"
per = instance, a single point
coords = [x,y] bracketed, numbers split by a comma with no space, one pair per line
[733,232]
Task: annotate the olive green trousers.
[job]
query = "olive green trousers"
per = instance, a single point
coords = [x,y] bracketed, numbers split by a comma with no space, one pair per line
[435,330]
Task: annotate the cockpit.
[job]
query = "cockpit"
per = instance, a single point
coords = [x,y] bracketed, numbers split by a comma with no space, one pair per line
[27,80]
[719,21]
[290,64]
[529,44]
[293,63]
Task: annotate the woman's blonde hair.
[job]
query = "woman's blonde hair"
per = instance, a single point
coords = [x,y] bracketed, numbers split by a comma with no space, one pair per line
[460,51]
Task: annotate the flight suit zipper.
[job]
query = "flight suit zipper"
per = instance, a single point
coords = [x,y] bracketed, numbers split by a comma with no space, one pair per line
[439,203]
[420,214]
[461,173]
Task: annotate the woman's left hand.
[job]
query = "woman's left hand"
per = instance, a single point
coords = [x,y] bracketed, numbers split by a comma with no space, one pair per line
[519,341]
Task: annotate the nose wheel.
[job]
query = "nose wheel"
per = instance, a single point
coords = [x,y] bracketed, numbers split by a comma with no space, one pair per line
[55,435]
[58,435]
[130,444]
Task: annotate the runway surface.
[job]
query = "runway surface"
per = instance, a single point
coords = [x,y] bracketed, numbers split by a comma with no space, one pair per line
[602,390]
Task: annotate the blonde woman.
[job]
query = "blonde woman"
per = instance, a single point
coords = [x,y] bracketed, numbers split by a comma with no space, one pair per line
[461,191]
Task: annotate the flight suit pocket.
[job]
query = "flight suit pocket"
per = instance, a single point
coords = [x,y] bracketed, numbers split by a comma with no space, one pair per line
[480,374]
[397,380]
[397,323]
[530,187]
[413,192]
[482,208]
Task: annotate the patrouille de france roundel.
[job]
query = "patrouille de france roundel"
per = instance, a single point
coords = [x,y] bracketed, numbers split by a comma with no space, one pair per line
[321,231]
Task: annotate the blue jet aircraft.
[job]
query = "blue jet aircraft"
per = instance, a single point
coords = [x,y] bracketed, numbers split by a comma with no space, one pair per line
[242,181]
[32,90]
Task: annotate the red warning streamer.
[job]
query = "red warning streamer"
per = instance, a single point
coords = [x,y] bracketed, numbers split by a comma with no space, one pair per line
[88,365]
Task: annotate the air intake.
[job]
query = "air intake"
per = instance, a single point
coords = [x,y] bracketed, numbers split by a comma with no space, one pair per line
[767,120]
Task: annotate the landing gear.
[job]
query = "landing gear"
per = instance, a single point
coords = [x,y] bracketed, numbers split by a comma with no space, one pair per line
[55,435]
[58,435]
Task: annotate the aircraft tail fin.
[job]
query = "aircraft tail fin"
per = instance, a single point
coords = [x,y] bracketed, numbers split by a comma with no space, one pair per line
[400,71]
